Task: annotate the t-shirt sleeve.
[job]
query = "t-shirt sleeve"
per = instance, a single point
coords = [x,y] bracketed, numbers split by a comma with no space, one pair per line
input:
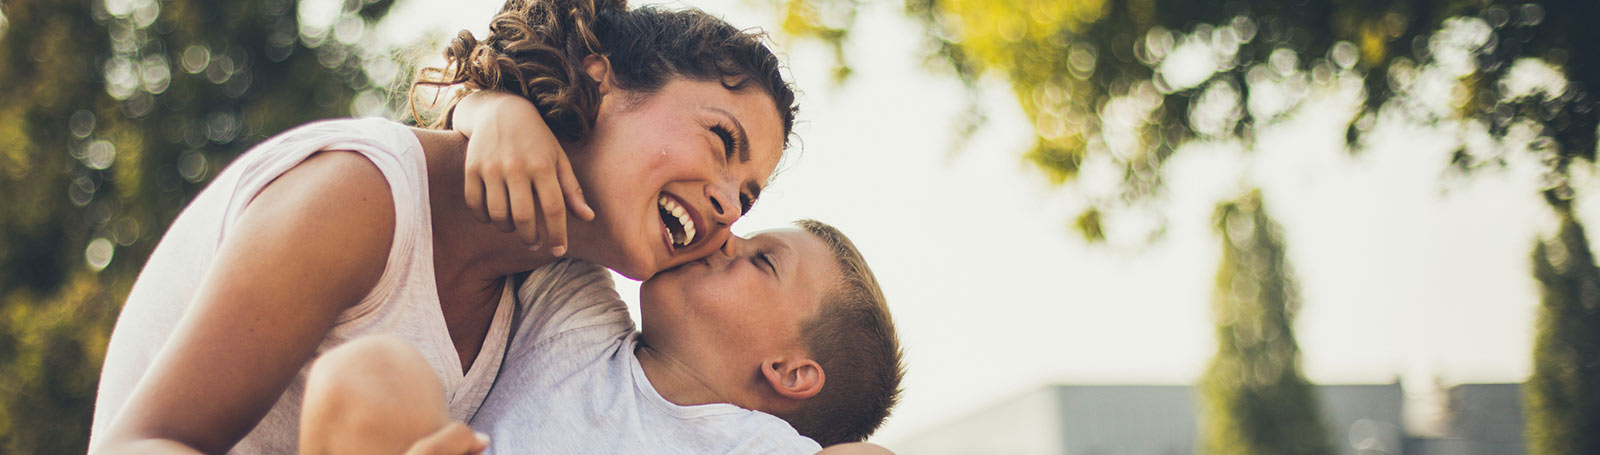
[565,296]
[756,432]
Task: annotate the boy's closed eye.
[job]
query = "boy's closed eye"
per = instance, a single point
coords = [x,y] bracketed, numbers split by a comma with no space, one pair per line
[764,259]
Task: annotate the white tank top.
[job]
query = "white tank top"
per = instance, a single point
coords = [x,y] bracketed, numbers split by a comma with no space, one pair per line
[404,302]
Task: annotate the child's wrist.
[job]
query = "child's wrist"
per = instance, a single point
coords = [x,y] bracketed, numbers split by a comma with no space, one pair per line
[481,108]
[503,103]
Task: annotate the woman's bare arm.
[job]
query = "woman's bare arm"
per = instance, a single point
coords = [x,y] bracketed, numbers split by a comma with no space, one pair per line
[310,245]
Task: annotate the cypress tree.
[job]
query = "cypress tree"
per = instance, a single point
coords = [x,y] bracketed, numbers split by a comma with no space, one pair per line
[1254,399]
[1563,394]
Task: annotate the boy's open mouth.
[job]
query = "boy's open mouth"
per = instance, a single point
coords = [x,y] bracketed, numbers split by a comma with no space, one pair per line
[679,221]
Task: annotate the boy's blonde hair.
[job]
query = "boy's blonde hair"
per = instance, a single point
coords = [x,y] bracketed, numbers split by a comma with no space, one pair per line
[853,338]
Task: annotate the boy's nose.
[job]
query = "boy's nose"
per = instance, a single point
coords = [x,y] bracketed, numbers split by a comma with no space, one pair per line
[735,247]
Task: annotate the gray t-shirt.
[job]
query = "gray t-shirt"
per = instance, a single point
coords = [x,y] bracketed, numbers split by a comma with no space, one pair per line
[570,383]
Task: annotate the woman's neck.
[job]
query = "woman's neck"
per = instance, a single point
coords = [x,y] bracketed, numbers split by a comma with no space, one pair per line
[471,259]
[466,250]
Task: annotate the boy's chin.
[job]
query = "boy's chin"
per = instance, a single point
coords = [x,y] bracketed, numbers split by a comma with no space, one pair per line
[659,335]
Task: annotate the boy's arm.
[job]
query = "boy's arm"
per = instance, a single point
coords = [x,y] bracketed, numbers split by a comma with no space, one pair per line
[516,170]
[377,395]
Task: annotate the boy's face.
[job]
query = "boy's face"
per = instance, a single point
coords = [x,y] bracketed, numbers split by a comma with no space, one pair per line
[744,303]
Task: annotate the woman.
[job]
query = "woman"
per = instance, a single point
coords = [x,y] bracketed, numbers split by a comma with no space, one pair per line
[341,229]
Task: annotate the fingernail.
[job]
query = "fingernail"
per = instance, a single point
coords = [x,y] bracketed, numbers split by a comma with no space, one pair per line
[482,438]
[558,250]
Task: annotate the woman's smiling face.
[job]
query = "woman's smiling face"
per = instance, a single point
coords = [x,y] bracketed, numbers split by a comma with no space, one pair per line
[668,173]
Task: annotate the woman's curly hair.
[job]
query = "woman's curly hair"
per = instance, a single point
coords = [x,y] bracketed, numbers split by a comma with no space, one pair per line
[536,48]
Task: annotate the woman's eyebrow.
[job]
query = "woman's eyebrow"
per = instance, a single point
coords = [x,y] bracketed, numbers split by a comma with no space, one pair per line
[739,135]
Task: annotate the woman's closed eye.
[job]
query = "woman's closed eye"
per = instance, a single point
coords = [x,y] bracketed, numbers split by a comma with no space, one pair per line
[730,144]
[729,141]
[745,202]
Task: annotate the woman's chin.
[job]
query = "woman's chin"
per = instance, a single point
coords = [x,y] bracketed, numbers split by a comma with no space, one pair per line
[638,269]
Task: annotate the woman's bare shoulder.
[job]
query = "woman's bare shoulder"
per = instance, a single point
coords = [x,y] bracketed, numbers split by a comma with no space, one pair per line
[334,209]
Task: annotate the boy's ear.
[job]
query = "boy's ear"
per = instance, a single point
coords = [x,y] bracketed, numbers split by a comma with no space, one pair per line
[794,378]
[599,69]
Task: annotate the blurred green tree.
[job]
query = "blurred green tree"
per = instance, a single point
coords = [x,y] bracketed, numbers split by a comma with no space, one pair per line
[117,112]
[1126,84]
[1254,399]
[1563,395]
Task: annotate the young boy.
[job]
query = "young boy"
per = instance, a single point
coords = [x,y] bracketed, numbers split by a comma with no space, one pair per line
[765,346]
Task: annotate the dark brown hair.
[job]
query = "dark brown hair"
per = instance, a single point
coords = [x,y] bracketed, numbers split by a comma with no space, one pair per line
[536,48]
[853,338]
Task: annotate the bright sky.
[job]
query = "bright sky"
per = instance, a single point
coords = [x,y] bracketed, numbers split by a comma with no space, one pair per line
[1403,273]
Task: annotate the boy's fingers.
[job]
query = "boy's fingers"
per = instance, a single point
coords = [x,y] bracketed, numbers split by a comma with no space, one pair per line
[480,443]
[555,213]
[571,189]
[454,439]
[524,211]
[474,195]
[494,198]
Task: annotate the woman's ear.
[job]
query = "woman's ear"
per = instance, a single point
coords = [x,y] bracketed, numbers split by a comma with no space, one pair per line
[795,379]
[599,69]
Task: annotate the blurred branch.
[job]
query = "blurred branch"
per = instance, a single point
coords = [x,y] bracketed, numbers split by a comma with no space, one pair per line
[1132,81]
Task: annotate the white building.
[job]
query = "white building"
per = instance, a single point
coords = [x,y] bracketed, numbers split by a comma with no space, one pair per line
[1480,419]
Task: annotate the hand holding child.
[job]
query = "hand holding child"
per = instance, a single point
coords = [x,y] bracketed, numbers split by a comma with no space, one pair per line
[454,439]
[855,448]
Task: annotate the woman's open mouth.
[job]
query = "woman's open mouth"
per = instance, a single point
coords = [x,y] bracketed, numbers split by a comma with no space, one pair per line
[677,220]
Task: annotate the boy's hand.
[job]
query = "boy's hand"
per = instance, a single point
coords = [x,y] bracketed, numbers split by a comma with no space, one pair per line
[453,439]
[855,448]
[516,170]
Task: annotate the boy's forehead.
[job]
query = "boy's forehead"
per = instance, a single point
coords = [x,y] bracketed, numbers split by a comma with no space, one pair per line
[814,258]
[815,271]
[799,241]
[776,232]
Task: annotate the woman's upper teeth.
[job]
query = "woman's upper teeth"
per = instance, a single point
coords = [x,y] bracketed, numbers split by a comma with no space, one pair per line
[684,220]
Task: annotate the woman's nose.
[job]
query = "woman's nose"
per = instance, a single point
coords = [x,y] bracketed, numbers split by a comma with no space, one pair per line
[725,205]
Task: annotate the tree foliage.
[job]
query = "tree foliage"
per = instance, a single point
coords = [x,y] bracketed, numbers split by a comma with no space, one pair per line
[117,113]
[1254,399]
[1563,394]
[1126,84]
